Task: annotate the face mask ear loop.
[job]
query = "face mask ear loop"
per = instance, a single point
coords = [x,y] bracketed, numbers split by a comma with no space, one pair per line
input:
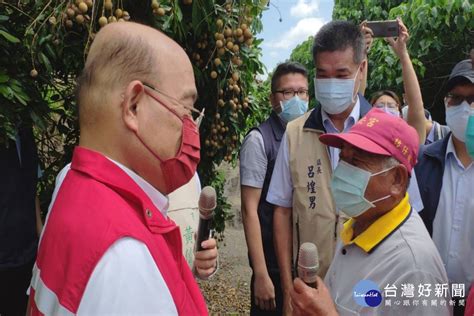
[383,171]
[376,174]
[382,198]
[199,119]
[282,108]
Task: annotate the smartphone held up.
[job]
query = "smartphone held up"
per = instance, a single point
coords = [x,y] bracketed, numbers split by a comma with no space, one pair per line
[384,28]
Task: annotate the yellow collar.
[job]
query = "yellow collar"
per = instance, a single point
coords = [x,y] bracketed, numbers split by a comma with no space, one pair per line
[378,230]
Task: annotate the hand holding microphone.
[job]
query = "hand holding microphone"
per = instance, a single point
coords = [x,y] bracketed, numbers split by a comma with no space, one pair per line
[205,258]
[308,264]
[309,295]
[207,204]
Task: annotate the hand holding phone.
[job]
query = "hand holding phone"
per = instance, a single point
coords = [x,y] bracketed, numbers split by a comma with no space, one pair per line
[399,44]
[384,28]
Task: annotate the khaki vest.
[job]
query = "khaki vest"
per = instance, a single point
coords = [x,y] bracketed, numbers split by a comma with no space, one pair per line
[184,211]
[314,212]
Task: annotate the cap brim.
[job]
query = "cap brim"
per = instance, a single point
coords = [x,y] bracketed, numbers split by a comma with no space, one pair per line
[356,140]
[458,80]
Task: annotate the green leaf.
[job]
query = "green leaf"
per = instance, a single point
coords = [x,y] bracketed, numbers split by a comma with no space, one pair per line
[50,50]
[18,93]
[389,60]
[44,39]
[196,16]
[178,13]
[38,121]
[4,90]
[9,37]
[460,21]
[45,61]
[466,6]
[447,20]
[165,27]
[4,78]
[3,18]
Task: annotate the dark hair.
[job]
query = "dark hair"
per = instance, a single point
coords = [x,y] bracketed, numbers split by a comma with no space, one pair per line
[337,36]
[285,68]
[378,94]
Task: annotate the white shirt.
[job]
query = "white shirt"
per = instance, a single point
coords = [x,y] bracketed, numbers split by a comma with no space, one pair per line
[330,128]
[407,256]
[280,191]
[126,280]
[453,225]
[430,136]
[253,160]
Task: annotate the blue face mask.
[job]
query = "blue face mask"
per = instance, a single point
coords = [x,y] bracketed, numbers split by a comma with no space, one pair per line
[456,119]
[348,185]
[391,111]
[335,95]
[293,108]
[470,134]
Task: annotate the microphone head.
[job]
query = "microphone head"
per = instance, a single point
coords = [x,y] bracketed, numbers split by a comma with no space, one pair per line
[207,202]
[308,262]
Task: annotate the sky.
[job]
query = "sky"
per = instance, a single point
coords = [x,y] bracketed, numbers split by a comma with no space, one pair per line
[299,20]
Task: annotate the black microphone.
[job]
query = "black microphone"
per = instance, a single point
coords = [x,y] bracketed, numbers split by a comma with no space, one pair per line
[207,204]
[308,264]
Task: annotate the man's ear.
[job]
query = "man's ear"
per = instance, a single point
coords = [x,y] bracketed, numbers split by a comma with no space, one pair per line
[132,97]
[400,180]
[275,104]
[362,68]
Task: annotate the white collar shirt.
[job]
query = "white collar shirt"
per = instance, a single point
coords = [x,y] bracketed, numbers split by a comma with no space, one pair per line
[453,224]
[330,128]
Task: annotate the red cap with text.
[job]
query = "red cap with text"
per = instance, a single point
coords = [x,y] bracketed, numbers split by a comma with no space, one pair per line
[380,133]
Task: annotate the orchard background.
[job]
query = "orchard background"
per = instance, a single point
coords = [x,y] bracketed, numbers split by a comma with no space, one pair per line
[44,43]
[441,34]
[43,46]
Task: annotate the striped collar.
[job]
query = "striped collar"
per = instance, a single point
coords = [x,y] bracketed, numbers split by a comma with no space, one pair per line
[379,230]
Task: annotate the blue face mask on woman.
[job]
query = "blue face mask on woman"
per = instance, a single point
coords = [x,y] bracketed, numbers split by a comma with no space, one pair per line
[293,108]
[348,185]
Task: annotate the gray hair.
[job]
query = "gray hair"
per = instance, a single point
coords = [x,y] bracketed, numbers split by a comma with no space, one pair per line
[390,162]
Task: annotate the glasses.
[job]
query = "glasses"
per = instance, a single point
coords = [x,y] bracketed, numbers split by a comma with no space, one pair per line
[389,105]
[456,99]
[195,114]
[288,94]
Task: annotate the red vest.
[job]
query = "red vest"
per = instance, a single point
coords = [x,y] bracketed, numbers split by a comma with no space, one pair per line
[97,204]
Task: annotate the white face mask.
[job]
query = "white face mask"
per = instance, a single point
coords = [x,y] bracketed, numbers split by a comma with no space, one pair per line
[335,95]
[456,118]
[391,111]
